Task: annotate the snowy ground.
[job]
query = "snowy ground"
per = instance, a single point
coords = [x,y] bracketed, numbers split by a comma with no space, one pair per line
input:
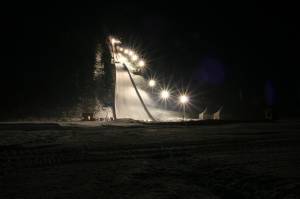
[127,102]
[128,159]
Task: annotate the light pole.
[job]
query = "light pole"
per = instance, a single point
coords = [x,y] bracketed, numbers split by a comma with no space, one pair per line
[165,94]
[183,99]
[152,84]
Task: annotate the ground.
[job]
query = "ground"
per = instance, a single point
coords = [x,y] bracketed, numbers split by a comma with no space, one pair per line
[136,160]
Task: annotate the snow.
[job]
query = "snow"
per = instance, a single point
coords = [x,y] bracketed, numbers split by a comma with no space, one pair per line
[136,160]
[127,103]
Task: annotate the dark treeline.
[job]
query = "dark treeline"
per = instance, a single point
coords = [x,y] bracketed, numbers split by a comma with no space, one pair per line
[47,66]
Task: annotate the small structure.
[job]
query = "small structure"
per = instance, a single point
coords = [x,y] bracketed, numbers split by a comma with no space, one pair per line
[204,115]
[217,115]
[207,115]
[88,117]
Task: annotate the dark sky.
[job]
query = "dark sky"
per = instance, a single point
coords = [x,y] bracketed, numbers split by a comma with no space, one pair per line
[229,47]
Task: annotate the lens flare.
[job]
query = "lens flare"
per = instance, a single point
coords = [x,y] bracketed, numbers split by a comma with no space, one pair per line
[141,63]
[183,99]
[164,94]
[152,83]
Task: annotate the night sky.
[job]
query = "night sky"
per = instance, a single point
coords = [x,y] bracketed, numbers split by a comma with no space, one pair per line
[232,51]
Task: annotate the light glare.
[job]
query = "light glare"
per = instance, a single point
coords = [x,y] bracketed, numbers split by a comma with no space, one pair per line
[134,57]
[141,63]
[130,52]
[164,94]
[152,83]
[115,41]
[183,99]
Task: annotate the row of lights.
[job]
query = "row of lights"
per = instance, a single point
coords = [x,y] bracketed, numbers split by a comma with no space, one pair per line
[164,93]
[134,57]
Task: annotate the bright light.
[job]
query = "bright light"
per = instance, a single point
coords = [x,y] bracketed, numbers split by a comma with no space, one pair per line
[131,53]
[120,49]
[126,51]
[134,57]
[115,41]
[152,83]
[183,99]
[141,63]
[164,94]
